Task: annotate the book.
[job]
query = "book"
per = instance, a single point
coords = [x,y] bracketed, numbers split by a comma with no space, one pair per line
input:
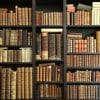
[13,84]
[51,30]
[98,40]
[81,6]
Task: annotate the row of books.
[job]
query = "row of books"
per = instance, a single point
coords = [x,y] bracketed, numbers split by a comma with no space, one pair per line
[18,16]
[83,92]
[83,14]
[49,45]
[83,76]
[49,72]
[48,90]
[16,83]
[21,55]
[48,18]
[76,43]
[80,17]
[15,37]
[78,61]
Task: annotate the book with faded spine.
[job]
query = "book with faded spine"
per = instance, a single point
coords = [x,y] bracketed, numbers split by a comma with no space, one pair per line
[18,84]
[8,82]
[3,84]
[13,84]
[52,46]
[26,82]
[44,45]
[30,71]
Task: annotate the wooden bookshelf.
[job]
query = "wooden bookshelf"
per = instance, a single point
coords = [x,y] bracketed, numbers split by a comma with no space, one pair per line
[78,66]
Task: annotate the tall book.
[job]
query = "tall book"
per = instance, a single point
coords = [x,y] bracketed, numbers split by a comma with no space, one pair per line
[38,43]
[52,46]
[18,84]
[8,82]
[58,45]
[44,45]
[22,83]
[13,84]
[30,70]
[3,84]
[98,41]
[26,82]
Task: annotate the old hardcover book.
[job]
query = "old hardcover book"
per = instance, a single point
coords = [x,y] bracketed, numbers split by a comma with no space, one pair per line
[39,17]
[24,37]
[22,83]
[83,7]
[44,45]
[2,37]
[19,16]
[3,84]
[29,16]
[13,84]
[30,70]
[8,83]
[16,15]
[18,84]
[38,47]
[58,45]
[26,82]
[98,41]
[52,46]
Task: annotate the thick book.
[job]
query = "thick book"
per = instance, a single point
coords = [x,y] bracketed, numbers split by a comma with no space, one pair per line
[44,53]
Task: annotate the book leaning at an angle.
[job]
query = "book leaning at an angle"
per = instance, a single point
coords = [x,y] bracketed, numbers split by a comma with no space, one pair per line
[51,30]
[83,7]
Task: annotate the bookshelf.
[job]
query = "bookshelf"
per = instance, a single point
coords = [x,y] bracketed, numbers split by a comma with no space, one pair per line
[16,71]
[49,49]
[81,61]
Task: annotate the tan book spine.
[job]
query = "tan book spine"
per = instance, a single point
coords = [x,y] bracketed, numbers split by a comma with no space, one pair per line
[38,73]
[8,78]
[3,84]
[30,82]
[98,41]
[44,45]
[26,82]
[16,15]
[18,84]
[22,83]
[13,85]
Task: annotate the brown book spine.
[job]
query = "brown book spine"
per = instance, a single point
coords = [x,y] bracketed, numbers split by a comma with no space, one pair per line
[3,84]
[18,84]
[44,45]
[22,83]
[13,84]
[8,78]
[98,41]
[26,82]
[30,82]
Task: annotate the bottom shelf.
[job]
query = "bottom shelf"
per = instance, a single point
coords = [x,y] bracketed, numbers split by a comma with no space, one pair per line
[83,92]
[16,83]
